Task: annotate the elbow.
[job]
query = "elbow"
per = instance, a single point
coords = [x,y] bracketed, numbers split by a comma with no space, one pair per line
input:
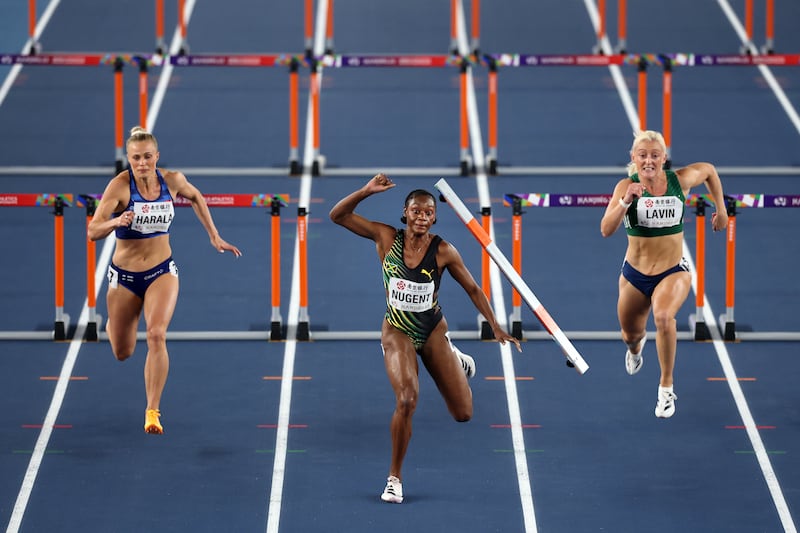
[94,234]
[335,217]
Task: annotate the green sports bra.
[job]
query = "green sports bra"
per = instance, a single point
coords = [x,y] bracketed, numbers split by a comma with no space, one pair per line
[654,216]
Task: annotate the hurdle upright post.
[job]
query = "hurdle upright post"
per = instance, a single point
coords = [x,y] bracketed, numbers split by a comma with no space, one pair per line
[276,327]
[302,245]
[454,27]
[486,280]
[701,331]
[329,29]
[61,324]
[316,166]
[622,26]
[308,26]
[184,49]
[160,47]
[91,260]
[769,44]
[464,158]
[727,320]
[35,46]
[516,258]
[142,91]
[476,26]
[294,96]
[746,47]
[667,108]
[119,64]
[642,87]
[491,157]
[601,27]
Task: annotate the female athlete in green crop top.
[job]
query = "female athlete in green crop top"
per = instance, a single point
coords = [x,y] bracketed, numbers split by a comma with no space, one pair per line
[413,260]
[654,273]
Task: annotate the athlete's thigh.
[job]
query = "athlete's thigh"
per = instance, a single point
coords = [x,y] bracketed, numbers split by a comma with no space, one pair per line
[633,307]
[400,358]
[160,300]
[671,292]
[443,365]
[124,309]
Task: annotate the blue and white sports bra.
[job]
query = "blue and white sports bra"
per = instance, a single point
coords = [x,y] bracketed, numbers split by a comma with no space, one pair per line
[151,218]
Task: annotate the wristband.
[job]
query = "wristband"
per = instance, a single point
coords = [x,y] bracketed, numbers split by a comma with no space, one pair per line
[623,204]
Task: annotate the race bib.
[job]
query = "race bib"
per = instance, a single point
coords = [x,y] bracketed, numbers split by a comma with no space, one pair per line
[152,217]
[407,295]
[659,211]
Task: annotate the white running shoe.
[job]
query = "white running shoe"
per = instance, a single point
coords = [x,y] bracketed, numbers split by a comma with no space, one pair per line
[634,362]
[467,362]
[665,405]
[393,493]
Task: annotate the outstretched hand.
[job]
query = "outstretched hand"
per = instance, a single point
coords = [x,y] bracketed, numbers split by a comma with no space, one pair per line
[504,337]
[379,183]
[222,246]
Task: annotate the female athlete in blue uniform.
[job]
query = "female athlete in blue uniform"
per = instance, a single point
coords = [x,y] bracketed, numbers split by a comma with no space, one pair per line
[413,261]
[654,274]
[137,206]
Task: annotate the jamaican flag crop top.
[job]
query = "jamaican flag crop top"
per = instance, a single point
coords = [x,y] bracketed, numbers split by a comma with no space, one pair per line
[150,218]
[653,216]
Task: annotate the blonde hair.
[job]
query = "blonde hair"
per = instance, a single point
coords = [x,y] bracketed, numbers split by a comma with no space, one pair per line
[139,134]
[644,136]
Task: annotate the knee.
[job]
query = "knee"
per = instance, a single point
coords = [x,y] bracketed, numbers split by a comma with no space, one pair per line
[406,403]
[664,321]
[156,336]
[121,353]
[462,410]
[463,416]
[631,339]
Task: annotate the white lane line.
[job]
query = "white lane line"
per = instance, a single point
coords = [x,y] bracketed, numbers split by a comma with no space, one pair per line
[736,390]
[58,398]
[37,32]
[765,71]
[285,402]
[75,345]
[719,345]
[524,479]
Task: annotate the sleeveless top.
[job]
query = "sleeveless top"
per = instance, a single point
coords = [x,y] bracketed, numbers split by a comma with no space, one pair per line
[150,217]
[653,216]
[412,305]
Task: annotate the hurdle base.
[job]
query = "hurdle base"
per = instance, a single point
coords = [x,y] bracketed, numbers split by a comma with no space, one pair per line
[727,329]
[466,167]
[516,330]
[491,167]
[295,169]
[701,332]
[302,331]
[318,166]
[61,328]
[277,332]
[486,331]
[90,334]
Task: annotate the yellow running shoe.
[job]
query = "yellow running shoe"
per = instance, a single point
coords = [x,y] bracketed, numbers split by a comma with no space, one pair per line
[151,423]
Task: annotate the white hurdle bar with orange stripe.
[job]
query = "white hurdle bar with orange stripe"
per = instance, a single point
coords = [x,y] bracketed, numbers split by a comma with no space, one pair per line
[574,358]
